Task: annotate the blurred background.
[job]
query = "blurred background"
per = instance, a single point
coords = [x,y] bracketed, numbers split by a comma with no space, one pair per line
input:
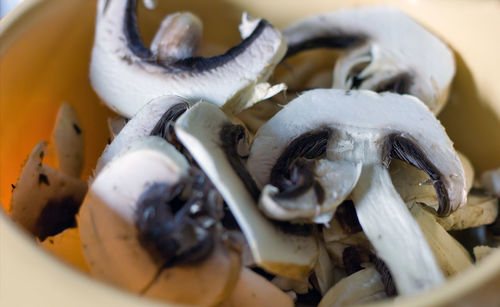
[7,5]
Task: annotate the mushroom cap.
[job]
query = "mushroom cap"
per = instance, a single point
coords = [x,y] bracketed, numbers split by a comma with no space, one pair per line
[125,74]
[379,119]
[383,43]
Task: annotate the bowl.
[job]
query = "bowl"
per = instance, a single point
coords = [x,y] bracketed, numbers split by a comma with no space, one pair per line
[44,58]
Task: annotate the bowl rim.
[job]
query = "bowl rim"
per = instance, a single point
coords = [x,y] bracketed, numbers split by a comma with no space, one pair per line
[16,22]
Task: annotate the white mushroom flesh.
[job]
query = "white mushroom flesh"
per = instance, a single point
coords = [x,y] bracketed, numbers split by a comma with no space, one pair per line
[199,130]
[491,181]
[125,75]
[45,200]
[386,51]
[365,127]
[361,287]
[67,137]
[451,256]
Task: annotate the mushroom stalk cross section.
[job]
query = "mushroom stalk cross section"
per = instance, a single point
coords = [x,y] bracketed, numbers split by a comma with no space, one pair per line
[372,129]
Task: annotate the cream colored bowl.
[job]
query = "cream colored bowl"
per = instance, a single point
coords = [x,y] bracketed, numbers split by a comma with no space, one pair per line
[44,58]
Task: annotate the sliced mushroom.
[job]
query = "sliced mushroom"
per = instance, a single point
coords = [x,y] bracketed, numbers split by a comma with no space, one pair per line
[67,137]
[451,256]
[157,115]
[213,142]
[414,185]
[372,129]
[126,74]
[146,214]
[491,181]
[482,251]
[254,290]
[386,51]
[45,201]
[361,287]
[323,271]
[479,210]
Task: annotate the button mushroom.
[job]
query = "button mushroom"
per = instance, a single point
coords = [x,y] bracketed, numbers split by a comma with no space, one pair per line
[386,50]
[146,213]
[126,74]
[371,129]
[213,142]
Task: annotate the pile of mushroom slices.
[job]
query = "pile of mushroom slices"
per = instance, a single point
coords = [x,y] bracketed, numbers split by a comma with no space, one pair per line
[209,194]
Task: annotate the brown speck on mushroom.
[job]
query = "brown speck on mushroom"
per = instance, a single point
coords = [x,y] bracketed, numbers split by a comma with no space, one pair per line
[42,178]
[77,129]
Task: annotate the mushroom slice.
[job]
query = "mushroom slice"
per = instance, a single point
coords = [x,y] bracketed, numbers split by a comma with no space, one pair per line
[126,74]
[372,129]
[254,290]
[491,181]
[146,213]
[386,51]
[451,256]
[45,201]
[324,270]
[414,185]
[156,116]
[479,210]
[482,251]
[213,140]
[361,287]
[67,137]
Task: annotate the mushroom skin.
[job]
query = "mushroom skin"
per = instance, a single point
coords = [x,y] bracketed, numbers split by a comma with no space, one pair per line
[386,50]
[204,130]
[148,225]
[373,129]
[126,74]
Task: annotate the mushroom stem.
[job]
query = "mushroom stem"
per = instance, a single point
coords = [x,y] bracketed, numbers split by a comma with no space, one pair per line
[394,233]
